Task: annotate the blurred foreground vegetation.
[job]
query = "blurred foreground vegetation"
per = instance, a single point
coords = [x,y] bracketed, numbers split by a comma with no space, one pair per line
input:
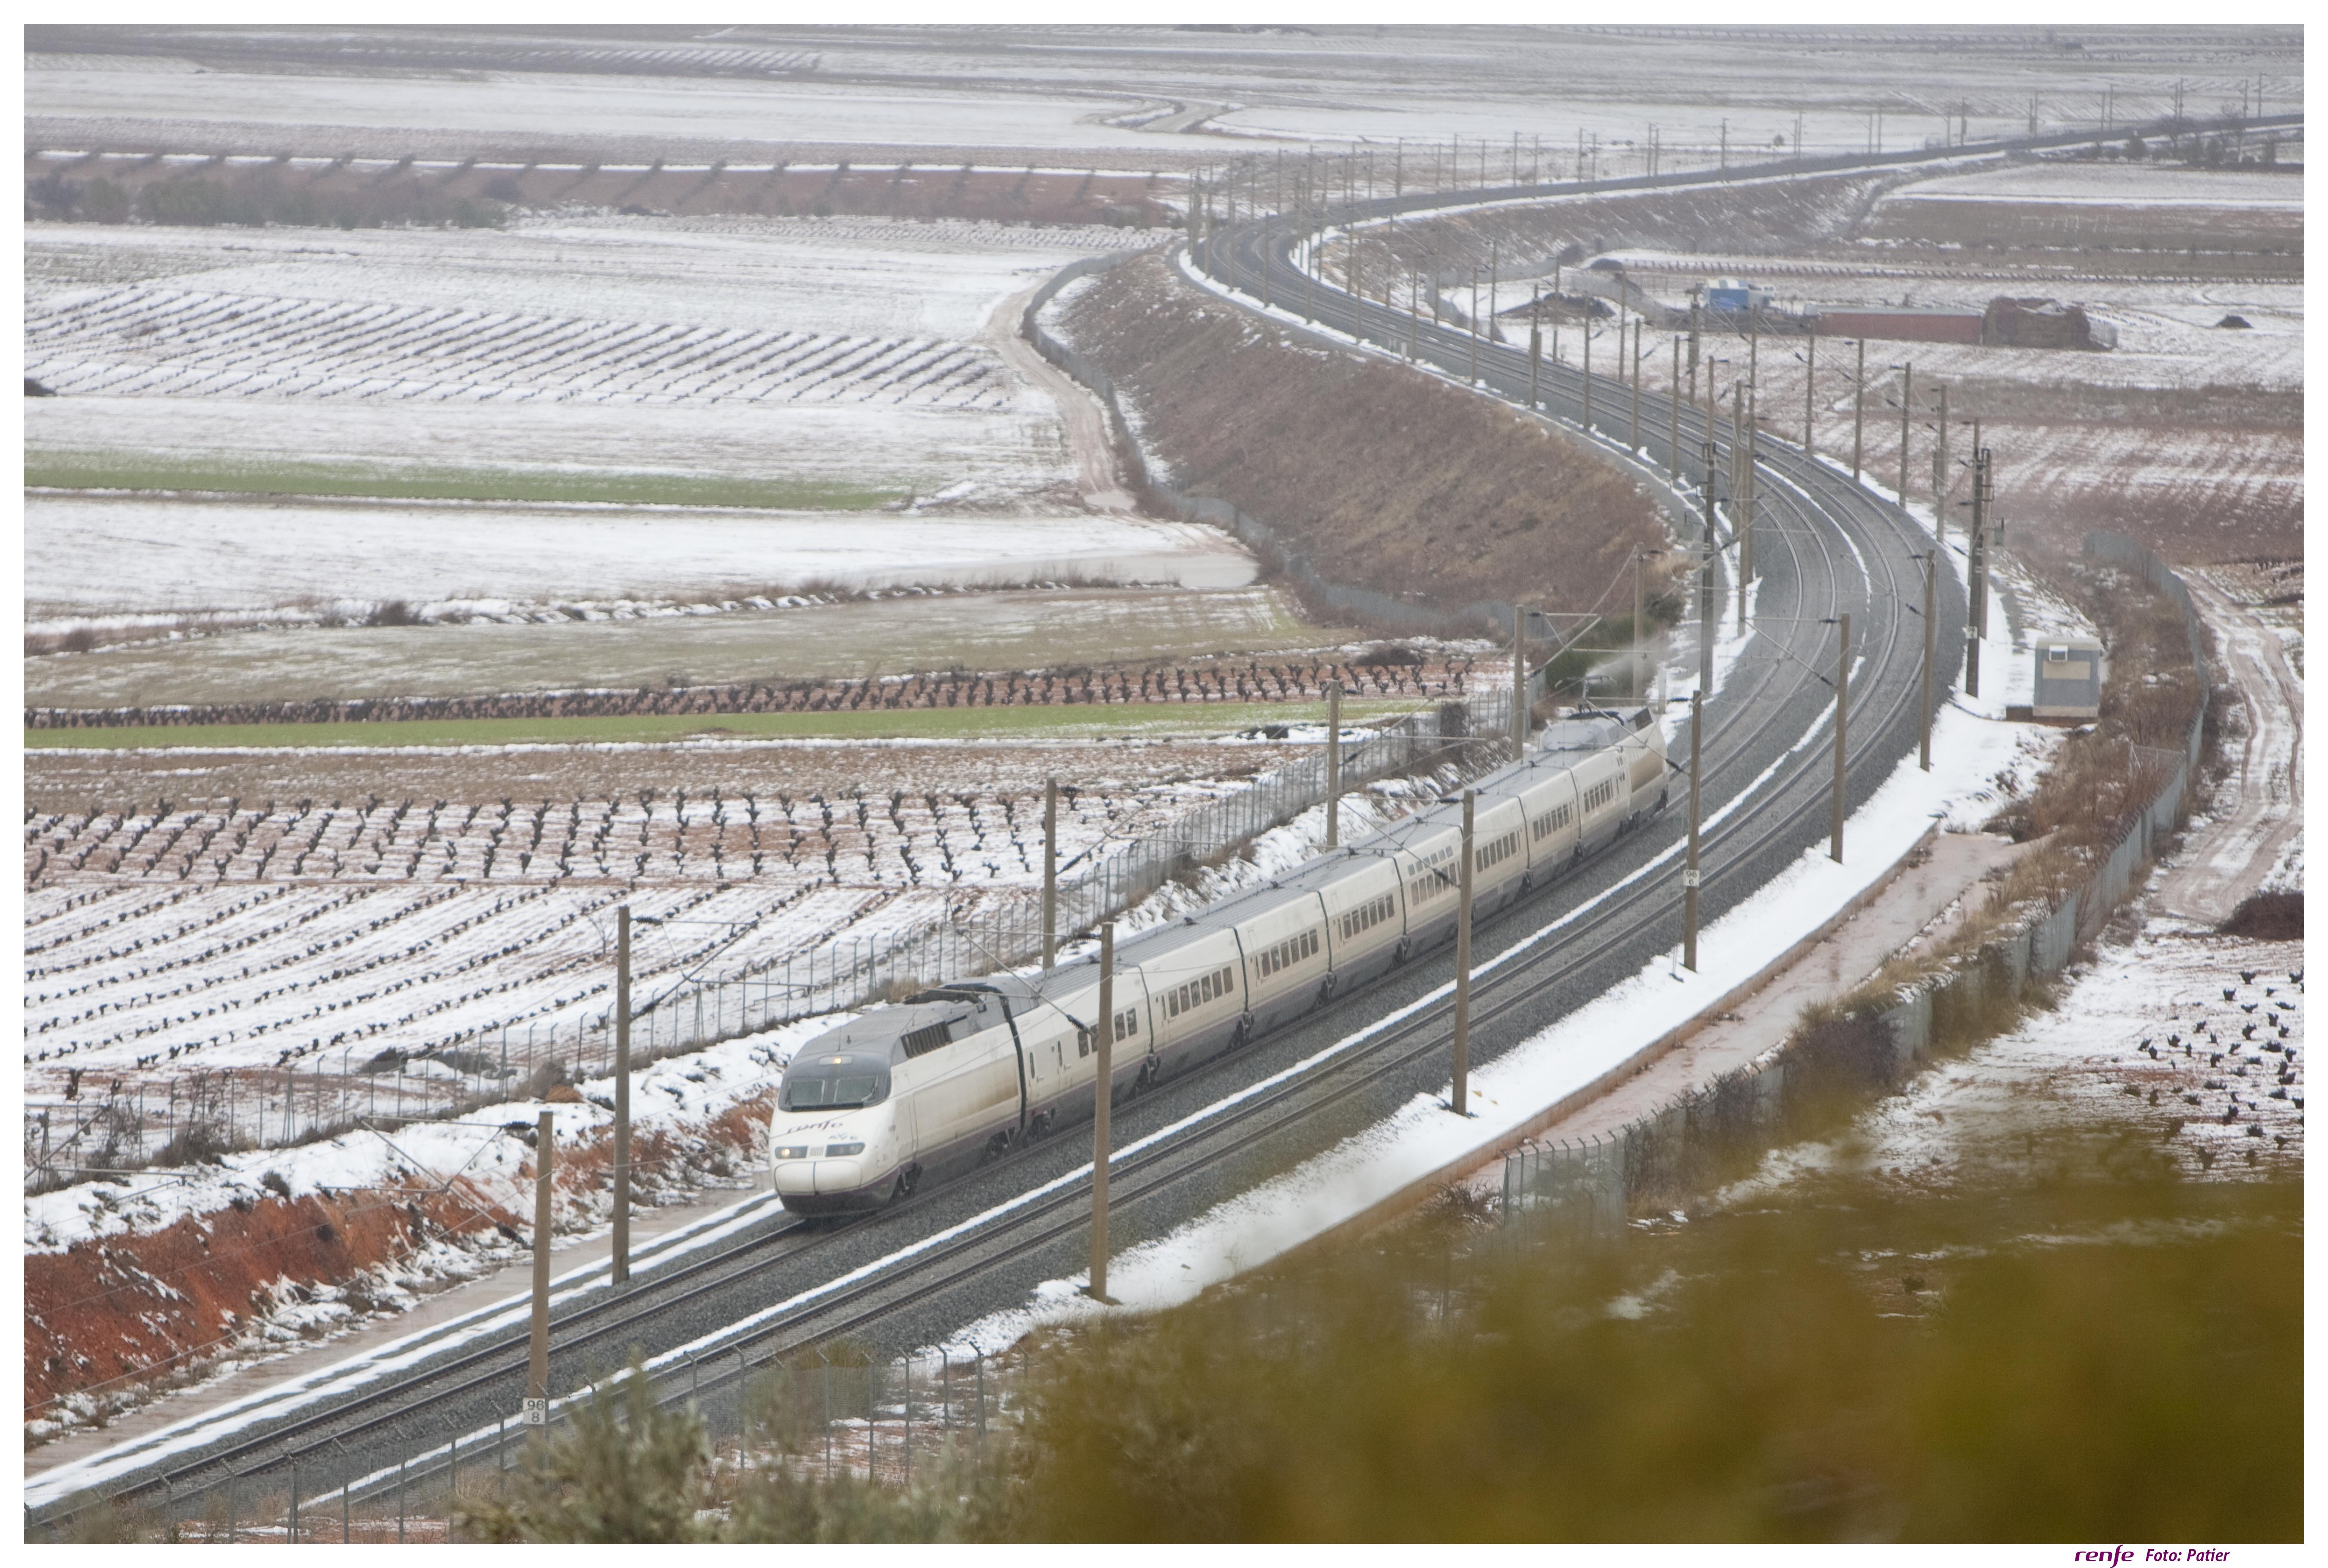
[2085,1361]
[2005,1367]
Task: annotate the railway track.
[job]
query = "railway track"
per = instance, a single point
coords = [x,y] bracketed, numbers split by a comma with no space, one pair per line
[910,1275]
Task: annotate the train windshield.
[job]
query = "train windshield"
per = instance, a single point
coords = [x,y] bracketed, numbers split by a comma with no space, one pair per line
[835,1083]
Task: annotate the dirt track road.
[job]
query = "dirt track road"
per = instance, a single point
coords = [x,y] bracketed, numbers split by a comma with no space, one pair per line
[1097,477]
[2260,805]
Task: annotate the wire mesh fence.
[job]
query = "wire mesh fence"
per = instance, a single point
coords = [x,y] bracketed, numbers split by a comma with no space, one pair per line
[134,1124]
[1593,1185]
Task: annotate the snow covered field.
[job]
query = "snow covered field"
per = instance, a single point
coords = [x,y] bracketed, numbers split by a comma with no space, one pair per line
[2055,182]
[211,938]
[725,454]
[248,557]
[521,105]
[556,933]
[851,277]
[847,353]
[1134,90]
[2144,1037]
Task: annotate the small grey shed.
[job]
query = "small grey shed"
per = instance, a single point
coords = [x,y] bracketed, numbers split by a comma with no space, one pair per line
[2070,675]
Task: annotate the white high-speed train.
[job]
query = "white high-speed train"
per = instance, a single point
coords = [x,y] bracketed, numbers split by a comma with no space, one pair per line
[908,1096]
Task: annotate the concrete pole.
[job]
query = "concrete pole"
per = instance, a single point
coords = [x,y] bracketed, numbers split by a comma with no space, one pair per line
[1712,422]
[1737,445]
[1584,331]
[1640,633]
[1753,442]
[1333,765]
[1811,384]
[1907,392]
[1741,512]
[1931,576]
[1842,707]
[1705,580]
[1102,1105]
[622,1239]
[1696,305]
[1673,420]
[1859,412]
[1050,872]
[1984,482]
[536,1375]
[1988,522]
[1940,470]
[1978,574]
[1310,273]
[1460,1101]
[1535,347]
[1690,876]
[1519,680]
[1475,326]
[1633,443]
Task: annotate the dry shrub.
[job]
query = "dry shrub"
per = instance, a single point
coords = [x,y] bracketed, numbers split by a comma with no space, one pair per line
[1382,478]
[2268,917]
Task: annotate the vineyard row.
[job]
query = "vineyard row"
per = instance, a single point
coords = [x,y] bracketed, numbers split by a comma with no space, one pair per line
[1251,682]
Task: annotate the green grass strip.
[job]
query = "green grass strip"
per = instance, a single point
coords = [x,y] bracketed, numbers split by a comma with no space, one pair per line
[1067,721]
[67,469]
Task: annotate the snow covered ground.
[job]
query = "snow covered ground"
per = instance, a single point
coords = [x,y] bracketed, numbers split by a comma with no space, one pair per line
[775,115]
[1002,456]
[246,558]
[870,278]
[683,1090]
[2138,184]
[2166,1050]
[1131,89]
[381,927]
[845,352]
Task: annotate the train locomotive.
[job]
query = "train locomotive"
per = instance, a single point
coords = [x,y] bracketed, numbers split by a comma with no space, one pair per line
[908,1096]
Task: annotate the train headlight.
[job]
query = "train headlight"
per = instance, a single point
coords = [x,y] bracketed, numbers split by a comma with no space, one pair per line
[793,1151]
[838,1149]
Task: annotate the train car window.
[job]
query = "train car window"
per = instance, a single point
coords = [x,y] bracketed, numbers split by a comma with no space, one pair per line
[835,1083]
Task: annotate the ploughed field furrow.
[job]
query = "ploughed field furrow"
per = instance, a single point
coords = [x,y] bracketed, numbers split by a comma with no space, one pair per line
[149,340]
[1250,682]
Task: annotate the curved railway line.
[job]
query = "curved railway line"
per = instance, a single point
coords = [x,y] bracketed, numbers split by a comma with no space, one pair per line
[910,1275]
